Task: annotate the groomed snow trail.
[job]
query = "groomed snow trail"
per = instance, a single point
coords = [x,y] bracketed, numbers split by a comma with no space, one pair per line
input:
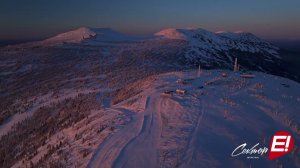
[137,144]
[142,150]
[106,153]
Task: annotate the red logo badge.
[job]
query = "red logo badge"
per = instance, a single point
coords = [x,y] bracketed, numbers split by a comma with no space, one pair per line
[282,143]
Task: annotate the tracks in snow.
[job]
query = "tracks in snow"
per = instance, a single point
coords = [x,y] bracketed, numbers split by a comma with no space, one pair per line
[190,151]
[141,151]
[136,145]
[106,153]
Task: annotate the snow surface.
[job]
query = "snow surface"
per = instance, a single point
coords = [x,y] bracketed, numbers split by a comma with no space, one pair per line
[203,127]
[88,35]
[200,46]
[205,45]
[72,36]
[200,41]
[220,111]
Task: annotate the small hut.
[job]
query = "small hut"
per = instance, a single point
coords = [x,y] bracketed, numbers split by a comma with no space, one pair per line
[181,91]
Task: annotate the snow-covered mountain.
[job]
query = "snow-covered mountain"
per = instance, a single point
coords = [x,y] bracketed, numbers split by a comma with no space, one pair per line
[205,46]
[201,43]
[90,98]
[75,36]
[88,35]
[188,47]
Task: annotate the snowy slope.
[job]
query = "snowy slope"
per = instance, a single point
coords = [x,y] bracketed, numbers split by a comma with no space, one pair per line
[73,36]
[205,46]
[201,41]
[89,35]
[202,127]
[146,128]
[195,46]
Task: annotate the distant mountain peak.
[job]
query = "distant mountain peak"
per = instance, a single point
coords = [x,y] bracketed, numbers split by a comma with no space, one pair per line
[171,33]
[204,45]
[73,36]
[88,35]
[180,33]
[201,43]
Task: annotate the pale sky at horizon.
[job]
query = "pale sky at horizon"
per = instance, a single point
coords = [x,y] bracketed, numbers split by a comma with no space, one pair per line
[271,19]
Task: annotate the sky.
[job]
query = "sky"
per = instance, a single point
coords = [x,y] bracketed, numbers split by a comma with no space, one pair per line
[37,19]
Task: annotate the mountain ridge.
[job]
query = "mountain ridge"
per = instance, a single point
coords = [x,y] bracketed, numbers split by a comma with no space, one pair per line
[107,34]
[193,46]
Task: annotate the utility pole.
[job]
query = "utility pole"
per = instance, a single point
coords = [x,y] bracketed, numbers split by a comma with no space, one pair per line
[199,71]
[235,68]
